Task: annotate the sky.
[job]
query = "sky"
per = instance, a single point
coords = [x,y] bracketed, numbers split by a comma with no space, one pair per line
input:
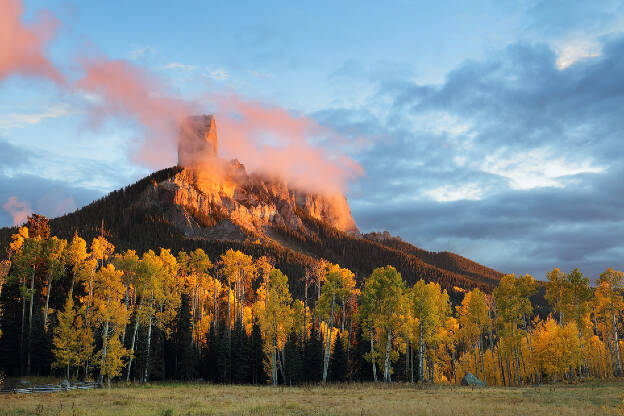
[493,129]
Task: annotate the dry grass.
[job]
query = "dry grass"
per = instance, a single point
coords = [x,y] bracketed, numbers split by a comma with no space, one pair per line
[356,399]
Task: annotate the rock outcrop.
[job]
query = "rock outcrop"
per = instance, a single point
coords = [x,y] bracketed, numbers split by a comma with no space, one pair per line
[226,192]
[470,380]
[238,202]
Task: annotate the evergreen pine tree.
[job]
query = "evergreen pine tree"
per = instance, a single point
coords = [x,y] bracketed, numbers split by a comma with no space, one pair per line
[208,361]
[362,370]
[157,370]
[313,358]
[10,320]
[240,355]
[294,359]
[338,362]
[222,360]
[185,353]
[256,355]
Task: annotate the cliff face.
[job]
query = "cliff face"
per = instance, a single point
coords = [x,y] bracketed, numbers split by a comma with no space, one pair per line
[224,191]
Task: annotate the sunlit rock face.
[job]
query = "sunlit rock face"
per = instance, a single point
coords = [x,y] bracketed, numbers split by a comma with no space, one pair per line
[249,201]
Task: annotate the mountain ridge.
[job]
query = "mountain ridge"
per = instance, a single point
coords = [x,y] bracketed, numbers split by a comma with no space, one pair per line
[145,215]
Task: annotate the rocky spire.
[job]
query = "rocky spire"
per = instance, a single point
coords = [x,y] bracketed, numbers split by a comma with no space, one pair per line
[198,140]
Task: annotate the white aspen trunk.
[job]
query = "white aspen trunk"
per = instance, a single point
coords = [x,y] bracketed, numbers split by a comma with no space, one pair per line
[149,342]
[482,354]
[45,316]
[412,365]
[421,355]
[387,363]
[104,345]
[618,355]
[330,327]
[32,297]
[282,357]
[476,360]
[373,353]
[274,362]
[134,334]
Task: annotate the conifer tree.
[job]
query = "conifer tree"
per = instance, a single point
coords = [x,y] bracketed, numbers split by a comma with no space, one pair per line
[240,354]
[185,353]
[223,359]
[338,362]
[294,359]
[209,355]
[257,356]
[313,358]
[361,368]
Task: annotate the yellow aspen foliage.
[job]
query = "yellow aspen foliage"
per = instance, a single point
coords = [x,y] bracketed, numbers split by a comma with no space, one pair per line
[275,316]
[557,349]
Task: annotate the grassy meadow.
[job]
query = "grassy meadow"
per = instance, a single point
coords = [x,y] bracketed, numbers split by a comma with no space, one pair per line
[349,399]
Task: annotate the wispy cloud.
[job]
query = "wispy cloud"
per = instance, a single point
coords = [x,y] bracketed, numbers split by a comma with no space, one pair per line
[139,52]
[217,74]
[16,120]
[179,66]
[572,52]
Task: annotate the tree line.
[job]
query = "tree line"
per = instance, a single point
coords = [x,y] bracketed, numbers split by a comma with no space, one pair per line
[86,311]
[128,223]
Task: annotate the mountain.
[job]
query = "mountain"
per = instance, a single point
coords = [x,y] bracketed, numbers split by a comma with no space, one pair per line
[215,204]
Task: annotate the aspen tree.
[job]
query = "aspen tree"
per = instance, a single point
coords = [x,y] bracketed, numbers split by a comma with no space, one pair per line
[512,302]
[54,254]
[611,305]
[275,316]
[336,290]
[474,320]
[430,306]
[199,266]
[27,261]
[382,298]
[112,316]
[76,256]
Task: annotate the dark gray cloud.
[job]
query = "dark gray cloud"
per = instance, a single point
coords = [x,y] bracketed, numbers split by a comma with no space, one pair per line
[511,161]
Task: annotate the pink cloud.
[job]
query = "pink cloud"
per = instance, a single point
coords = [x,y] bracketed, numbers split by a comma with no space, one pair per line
[18,210]
[124,91]
[273,141]
[266,138]
[22,47]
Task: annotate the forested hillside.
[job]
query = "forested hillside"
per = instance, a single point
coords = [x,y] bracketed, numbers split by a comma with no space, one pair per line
[87,310]
[125,219]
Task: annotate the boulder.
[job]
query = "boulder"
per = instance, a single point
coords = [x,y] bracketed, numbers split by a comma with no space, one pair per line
[470,380]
